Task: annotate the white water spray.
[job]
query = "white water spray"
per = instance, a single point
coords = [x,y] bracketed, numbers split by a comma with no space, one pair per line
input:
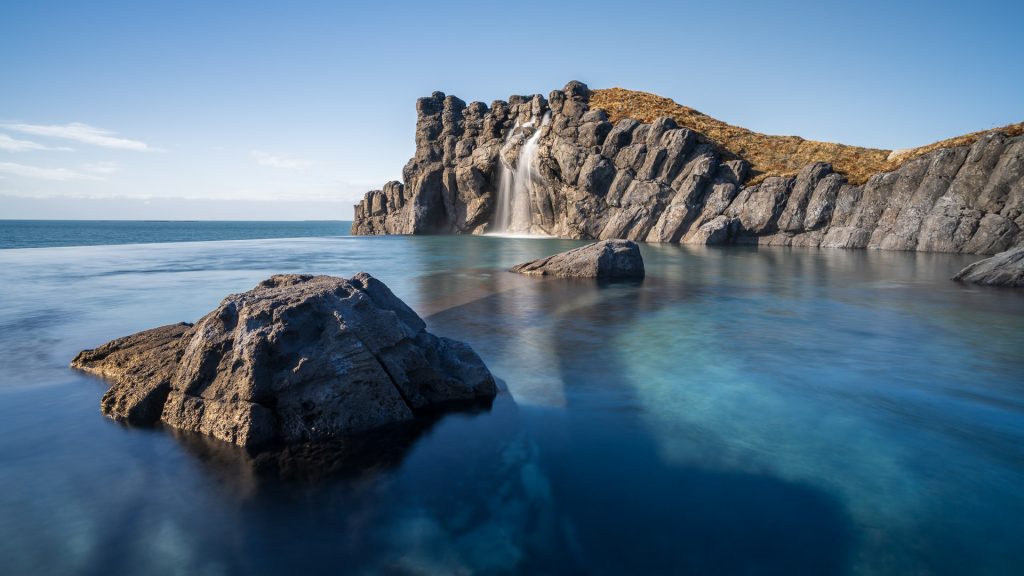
[513,214]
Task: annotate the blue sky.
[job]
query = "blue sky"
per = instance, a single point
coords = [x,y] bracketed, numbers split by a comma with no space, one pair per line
[294,109]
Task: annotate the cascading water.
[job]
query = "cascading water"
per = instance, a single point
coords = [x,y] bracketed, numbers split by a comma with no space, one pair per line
[503,210]
[513,214]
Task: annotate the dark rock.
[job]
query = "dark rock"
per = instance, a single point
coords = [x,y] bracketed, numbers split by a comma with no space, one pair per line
[608,259]
[793,215]
[596,175]
[822,201]
[298,358]
[592,134]
[620,136]
[1003,269]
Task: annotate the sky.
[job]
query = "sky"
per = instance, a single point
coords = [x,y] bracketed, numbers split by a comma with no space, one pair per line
[292,110]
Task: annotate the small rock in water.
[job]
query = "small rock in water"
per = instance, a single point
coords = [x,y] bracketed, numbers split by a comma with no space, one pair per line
[298,358]
[1003,269]
[607,259]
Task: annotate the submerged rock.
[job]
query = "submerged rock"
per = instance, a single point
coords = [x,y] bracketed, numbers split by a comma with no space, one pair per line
[1003,269]
[607,259]
[298,358]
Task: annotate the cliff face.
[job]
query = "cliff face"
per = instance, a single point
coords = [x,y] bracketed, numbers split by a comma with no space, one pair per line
[659,182]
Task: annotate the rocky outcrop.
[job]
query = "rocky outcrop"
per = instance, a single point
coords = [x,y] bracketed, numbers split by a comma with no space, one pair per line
[659,182]
[1003,269]
[607,260]
[298,358]
[140,368]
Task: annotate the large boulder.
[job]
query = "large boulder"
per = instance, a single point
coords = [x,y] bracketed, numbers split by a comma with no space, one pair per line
[1003,269]
[297,358]
[607,259]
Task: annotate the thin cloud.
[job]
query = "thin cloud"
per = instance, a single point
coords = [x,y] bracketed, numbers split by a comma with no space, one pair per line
[284,162]
[8,144]
[40,173]
[101,167]
[80,132]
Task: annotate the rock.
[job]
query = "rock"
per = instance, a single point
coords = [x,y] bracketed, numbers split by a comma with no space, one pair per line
[716,231]
[1003,269]
[793,214]
[298,358]
[758,207]
[659,182]
[608,259]
[620,136]
[141,367]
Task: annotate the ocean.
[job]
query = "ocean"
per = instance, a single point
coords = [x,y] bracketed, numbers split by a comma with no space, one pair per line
[50,233]
[742,410]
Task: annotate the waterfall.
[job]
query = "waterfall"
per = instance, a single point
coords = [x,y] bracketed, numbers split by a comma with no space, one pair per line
[513,214]
[503,210]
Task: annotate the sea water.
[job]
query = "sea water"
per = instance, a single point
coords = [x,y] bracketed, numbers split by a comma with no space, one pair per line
[44,233]
[741,410]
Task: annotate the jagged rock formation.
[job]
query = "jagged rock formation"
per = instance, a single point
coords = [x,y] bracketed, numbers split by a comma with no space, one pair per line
[607,260]
[1003,269]
[298,358]
[659,182]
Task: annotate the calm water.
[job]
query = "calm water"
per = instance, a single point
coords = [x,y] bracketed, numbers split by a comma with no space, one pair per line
[46,233]
[740,411]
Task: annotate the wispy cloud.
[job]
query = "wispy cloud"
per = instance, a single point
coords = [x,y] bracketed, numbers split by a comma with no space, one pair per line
[285,162]
[40,173]
[8,144]
[101,167]
[79,132]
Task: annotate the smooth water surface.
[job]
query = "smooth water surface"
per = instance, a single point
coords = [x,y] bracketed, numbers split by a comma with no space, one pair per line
[740,411]
[46,233]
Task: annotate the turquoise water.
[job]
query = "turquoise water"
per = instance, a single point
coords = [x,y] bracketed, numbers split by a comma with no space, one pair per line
[47,233]
[740,411]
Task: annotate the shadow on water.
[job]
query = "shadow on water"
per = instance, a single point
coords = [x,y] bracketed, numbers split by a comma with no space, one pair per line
[357,456]
[618,506]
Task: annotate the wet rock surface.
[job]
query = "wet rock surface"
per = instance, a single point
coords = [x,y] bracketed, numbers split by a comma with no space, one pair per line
[608,260]
[659,182]
[1003,269]
[298,358]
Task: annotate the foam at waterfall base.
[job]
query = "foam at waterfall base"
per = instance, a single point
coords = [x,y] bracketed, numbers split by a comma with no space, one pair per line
[518,235]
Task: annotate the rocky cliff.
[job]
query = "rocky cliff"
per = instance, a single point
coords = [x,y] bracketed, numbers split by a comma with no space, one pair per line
[588,178]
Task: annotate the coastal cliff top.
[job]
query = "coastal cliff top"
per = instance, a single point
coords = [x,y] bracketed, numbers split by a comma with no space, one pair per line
[771,155]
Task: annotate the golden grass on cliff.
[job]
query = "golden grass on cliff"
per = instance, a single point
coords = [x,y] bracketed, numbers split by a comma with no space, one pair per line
[770,155]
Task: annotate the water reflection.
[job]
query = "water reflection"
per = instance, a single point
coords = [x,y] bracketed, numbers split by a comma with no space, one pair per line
[743,410]
[357,456]
[681,516]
